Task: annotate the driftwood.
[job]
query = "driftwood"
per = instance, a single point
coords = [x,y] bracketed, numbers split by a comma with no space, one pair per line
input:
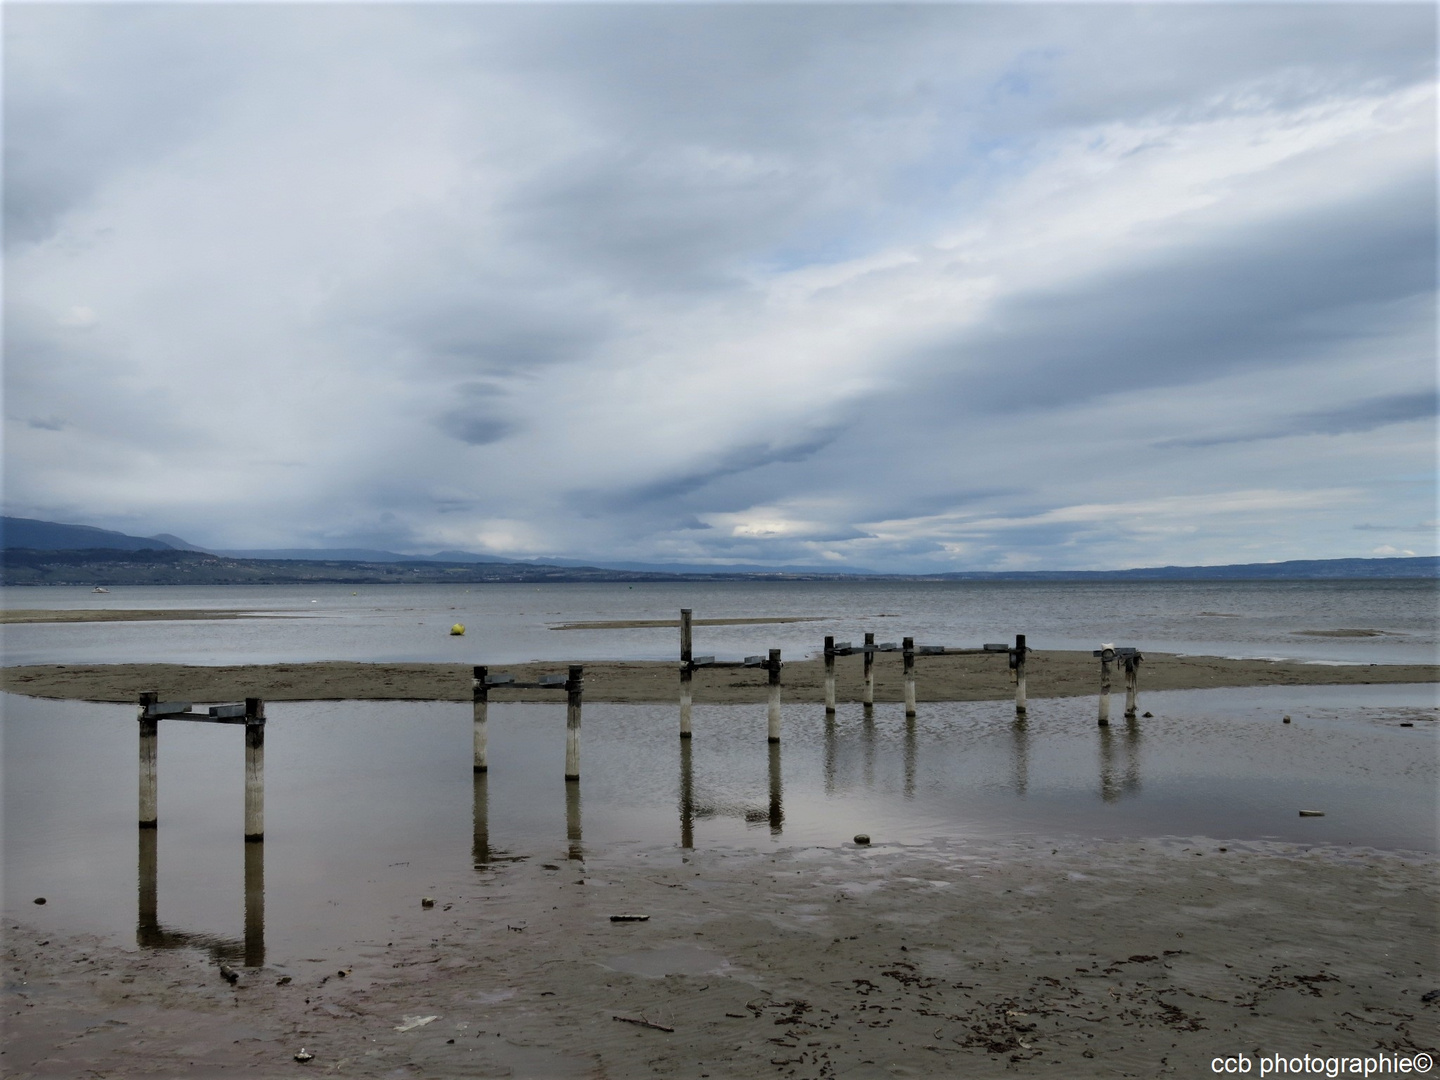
[642,1022]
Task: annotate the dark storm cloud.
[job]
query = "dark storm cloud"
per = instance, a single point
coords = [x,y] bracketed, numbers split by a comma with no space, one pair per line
[1362,416]
[1274,295]
[736,462]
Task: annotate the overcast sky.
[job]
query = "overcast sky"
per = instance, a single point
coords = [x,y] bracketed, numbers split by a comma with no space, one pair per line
[937,287]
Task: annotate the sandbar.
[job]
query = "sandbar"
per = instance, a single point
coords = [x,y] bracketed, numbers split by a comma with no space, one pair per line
[61,615]
[947,677]
[636,624]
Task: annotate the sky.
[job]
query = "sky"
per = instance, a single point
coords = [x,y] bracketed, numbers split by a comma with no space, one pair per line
[905,288]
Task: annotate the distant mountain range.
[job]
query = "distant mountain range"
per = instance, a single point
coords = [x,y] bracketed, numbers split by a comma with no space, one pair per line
[47,552]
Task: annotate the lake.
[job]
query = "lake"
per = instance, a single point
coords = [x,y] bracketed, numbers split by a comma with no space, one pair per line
[370,805]
[512,623]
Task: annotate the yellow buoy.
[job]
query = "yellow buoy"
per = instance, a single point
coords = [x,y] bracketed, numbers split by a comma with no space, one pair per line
[457,629]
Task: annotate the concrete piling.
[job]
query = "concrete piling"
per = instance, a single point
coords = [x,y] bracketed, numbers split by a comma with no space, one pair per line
[773,664]
[573,686]
[868,694]
[1107,656]
[480,697]
[1018,666]
[149,764]
[908,645]
[254,770]
[687,671]
[829,675]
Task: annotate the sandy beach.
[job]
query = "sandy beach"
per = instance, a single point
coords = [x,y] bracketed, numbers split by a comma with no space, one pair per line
[1122,958]
[938,678]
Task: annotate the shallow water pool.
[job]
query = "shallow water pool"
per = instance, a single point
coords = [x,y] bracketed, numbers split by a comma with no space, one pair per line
[371,805]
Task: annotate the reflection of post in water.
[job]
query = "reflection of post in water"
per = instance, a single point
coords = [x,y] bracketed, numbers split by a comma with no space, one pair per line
[572,821]
[687,798]
[1020,733]
[909,757]
[254,905]
[1109,791]
[147,926]
[1132,756]
[777,808]
[830,753]
[149,934]
[867,735]
[480,844]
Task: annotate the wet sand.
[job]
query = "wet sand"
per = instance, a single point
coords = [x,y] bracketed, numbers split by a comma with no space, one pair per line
[1106,959]
[938,678]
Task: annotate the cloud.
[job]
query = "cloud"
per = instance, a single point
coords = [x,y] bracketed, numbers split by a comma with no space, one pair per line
[903,287]
[1346,419]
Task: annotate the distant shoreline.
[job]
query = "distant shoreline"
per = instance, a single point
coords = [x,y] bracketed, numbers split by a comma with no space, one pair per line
[87,567]
[1050,674]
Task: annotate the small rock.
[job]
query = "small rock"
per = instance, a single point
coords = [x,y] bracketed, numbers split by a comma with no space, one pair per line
[284,980]
[1148,715]
[427,901]
[1433,995]
[1285,719]
[862,839]
[39,899]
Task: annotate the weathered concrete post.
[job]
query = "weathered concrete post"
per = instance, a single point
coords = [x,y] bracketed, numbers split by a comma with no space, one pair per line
[480,696]
[573,687]
[687,672]
[909,646]
[1132,666]
[1017,660]
[868,697]
[254,770]
[149,763]
[773,664]
[1107,655]
[829,675]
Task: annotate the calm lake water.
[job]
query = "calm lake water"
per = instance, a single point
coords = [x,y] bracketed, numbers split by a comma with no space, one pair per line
[513,623]
[370,805]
